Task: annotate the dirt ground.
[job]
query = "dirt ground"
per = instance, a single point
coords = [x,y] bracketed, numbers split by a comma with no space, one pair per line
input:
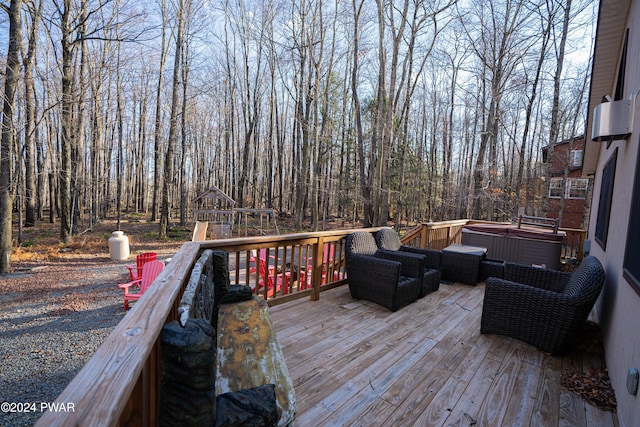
[42,266]
[41,243]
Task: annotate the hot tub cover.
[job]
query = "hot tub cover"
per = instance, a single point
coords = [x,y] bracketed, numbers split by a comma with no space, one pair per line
[510,230]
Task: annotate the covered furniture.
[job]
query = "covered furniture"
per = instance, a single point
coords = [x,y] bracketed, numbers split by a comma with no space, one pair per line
[461,263]
[391,279]
[542,307]
[522,245]
[388,239]
[249,355]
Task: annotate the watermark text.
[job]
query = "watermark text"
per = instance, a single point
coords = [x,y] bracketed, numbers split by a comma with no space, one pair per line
[24,407]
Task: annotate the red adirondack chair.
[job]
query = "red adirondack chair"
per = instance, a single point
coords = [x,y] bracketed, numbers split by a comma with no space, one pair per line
[135,271]
[134,289]
[327,264]
[267,275]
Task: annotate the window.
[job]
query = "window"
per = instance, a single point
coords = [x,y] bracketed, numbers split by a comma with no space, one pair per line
[555,187]
[575,158]
[631,266]
[604,202]
[577,188]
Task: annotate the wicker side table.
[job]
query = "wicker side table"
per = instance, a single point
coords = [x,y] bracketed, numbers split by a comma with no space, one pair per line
[461,263]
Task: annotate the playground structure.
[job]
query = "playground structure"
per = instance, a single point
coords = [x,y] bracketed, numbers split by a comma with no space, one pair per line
[218,210]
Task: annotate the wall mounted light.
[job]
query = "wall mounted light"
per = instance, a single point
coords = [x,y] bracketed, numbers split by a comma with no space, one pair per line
[632,381]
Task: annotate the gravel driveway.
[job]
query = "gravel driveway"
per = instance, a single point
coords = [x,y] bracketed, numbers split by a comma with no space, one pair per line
[53,317]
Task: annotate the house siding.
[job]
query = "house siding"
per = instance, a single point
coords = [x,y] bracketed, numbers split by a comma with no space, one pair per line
[618,307]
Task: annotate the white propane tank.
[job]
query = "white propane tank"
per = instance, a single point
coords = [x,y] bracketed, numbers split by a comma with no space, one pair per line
[118,246]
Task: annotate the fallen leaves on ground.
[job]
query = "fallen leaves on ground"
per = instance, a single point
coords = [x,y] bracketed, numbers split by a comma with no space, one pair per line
[593,386]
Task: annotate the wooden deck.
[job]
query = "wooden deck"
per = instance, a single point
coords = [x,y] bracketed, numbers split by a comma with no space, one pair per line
[356,363]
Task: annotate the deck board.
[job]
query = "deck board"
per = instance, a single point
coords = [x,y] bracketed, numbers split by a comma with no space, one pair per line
[356,363]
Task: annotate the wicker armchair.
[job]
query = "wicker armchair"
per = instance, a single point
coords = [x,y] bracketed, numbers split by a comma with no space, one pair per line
[390,279]
[388,239]
[545,308]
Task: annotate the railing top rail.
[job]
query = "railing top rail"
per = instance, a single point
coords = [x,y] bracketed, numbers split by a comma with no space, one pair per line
[268,241]
[411,234]
[442,224]
[101,388]
[572,230]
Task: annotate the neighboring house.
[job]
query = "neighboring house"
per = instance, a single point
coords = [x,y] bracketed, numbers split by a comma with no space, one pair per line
[612,159]
[567,155]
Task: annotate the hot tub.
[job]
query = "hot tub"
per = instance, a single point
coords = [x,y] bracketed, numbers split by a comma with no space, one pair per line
[525,245]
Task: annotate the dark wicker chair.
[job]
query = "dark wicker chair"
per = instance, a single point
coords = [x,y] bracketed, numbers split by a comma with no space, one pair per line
[387,239]
[492,268]
[390,279]
[545,308]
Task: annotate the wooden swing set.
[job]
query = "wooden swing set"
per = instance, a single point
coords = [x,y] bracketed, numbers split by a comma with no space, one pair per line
[215,215]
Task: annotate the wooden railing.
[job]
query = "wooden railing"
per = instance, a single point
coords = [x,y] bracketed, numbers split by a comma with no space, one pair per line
[573,246]
[435,235]
[120,384]
[442,234]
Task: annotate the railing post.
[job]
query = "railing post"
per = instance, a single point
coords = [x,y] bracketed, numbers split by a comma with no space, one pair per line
[580,254]
[316,277]
[424,236]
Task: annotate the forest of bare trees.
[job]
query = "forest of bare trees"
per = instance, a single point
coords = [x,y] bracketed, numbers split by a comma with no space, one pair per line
[371,110]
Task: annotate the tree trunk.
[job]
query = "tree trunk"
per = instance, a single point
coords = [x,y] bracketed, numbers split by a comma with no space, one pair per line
[67,141]
[555,109]
[157,151]
[303,115]
[173,126]
[365,189]
[529,111]
[8,135]
[119,120]
[183,170]
[29,120]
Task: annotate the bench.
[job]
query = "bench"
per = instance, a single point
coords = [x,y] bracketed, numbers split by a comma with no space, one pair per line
[215,349]
[552,223]
[249,354]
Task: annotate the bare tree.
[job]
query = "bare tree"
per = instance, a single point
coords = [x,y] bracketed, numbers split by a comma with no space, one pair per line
[28,59]
[173,122]
[554,128]
[501,42]
[12,72]
[365,187]
[546,33]
[157,152]
[67,134]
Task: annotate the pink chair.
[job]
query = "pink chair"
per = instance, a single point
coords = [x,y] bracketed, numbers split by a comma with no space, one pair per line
[134,289]
[328,264]
[135,271]
[267,275]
